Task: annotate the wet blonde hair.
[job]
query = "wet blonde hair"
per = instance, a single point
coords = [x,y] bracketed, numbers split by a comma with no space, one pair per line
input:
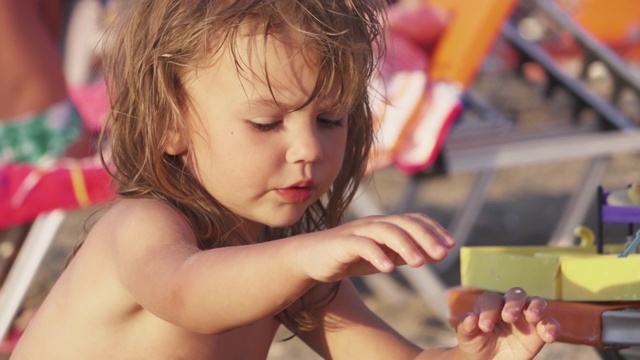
[153,44]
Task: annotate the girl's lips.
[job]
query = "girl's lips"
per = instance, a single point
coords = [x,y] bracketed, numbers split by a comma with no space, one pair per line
[295,194]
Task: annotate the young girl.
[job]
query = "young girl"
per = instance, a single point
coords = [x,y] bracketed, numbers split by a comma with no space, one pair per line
[239,131]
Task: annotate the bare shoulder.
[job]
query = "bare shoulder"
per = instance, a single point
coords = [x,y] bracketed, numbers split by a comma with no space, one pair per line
[132,212]
[138,225]
[145,217]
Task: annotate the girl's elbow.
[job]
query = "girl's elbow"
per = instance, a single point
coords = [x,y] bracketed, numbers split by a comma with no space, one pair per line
[192,318]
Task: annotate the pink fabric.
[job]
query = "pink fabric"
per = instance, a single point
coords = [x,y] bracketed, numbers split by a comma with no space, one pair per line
[92,103]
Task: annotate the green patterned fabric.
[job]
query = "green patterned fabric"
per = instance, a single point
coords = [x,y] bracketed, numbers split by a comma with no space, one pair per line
[47,134]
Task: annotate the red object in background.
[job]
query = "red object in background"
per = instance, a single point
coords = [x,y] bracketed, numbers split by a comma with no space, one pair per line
[92,103]
[27,190]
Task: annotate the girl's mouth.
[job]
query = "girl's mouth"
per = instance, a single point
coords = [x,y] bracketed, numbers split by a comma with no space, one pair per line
[297,193]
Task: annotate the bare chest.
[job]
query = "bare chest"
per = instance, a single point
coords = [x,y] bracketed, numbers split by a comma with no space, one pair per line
[247,342]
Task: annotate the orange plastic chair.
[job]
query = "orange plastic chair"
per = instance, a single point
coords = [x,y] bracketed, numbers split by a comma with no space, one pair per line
[614,22]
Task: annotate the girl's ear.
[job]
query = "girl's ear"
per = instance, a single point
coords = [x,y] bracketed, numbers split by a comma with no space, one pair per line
[177,144]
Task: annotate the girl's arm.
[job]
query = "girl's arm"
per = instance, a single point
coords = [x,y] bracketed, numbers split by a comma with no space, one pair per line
[216,290]
[220,289]
[510,327]
[212,291]
[350,330]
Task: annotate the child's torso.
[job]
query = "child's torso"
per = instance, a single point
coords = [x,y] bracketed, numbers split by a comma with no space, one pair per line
[138,335]
[89,315]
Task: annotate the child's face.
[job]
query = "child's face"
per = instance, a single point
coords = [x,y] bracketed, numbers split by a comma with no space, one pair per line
[263,162]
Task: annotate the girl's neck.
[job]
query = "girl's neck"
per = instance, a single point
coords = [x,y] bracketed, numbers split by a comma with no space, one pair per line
[253,232]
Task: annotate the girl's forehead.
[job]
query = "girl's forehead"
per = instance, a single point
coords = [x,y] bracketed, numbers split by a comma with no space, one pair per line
[271,68]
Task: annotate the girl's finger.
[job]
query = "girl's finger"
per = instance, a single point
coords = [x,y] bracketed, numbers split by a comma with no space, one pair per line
[548,330]
[467,326]
[434,228]
[392,236]
[515,302]
[535,309]
[372,253]
[488,308]
[430,238]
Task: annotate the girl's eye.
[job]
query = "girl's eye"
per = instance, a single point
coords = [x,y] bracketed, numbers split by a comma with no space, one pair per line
[329,123]
[263,127]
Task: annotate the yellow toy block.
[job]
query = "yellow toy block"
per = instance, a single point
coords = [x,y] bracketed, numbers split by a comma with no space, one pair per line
[575,273]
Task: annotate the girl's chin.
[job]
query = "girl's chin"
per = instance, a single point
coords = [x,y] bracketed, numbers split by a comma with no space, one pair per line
[283,221]
[272,222]
[282,224]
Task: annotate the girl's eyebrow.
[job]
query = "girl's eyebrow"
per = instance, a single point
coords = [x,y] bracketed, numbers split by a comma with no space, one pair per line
[265,101]
[287,106]
[273,103]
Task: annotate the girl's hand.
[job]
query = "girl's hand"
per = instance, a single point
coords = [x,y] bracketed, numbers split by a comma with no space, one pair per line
[506,327]
[373,244]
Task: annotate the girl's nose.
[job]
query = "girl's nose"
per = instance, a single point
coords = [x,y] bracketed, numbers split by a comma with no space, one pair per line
[305,145]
